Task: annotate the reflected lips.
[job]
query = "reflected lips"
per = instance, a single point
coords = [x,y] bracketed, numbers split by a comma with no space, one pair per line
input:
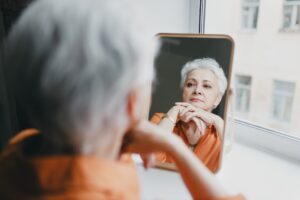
[196,100]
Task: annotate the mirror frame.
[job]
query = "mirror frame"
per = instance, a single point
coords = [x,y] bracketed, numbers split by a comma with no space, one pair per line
[228,93]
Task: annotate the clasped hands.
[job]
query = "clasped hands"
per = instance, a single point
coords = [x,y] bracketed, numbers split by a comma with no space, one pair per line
[195,120]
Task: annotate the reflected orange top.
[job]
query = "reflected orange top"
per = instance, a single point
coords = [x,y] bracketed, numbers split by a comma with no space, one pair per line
[208,149]
[62,176]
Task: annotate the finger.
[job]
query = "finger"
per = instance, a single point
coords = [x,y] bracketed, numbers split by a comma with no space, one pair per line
[182,104]
[197,122]
[150,161]
[193,136]
[188,116]
[200,124]
[187,109]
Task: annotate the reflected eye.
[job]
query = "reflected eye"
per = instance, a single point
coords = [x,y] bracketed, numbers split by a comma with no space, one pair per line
[189,84]
[207,86]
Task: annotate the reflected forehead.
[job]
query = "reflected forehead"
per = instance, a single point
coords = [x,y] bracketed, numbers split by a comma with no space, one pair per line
[202,75]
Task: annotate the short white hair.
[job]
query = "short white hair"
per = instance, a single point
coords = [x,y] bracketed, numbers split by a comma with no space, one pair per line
[205,63]
[72,64]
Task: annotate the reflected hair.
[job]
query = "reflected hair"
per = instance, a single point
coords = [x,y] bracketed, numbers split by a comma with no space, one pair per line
[72,64]
[205,63]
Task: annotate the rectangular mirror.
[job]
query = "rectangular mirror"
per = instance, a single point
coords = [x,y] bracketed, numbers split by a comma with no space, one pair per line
[194,71]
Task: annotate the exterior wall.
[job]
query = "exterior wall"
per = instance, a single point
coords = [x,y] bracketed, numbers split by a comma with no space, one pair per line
[266,54]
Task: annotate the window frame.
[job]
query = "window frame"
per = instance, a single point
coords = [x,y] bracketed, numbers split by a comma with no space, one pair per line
[277,143]
[283,95]
[250,13]
[292,26]
[244,87]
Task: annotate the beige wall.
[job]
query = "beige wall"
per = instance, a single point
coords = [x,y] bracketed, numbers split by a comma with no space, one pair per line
[265,54]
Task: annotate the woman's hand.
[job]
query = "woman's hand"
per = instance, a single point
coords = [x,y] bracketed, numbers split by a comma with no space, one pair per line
[169,121]
[146,138]
[190,112]
[174,112]
[194,130]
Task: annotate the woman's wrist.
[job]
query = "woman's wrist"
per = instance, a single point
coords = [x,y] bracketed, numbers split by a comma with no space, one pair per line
[173,113]
[171,119]
[173,144]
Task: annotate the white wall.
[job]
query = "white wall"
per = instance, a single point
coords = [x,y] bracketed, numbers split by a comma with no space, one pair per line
[170,16]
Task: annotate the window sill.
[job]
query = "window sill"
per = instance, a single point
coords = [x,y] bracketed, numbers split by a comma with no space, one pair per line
[267,140]
[289,30]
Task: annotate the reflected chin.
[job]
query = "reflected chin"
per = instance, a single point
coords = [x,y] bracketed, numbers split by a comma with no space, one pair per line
[200,105]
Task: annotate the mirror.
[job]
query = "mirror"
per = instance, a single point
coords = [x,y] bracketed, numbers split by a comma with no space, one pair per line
[200,117]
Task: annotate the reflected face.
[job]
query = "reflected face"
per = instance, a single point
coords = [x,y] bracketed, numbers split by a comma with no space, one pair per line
[201,89]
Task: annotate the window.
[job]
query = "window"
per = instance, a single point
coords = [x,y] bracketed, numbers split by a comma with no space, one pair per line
[283,95]
[262,99]
[291,15]
[249,14]
[242,93]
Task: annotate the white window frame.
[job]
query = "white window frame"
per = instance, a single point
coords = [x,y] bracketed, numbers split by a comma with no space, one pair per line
[243,87]
[268,140]
[285,95]
[293,25]
[251,14]
[272,141]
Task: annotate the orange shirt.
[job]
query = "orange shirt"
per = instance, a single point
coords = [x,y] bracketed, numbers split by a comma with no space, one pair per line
[62,177]
[208,149]
[65,177]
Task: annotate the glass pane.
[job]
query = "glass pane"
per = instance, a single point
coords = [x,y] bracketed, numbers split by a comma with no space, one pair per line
[287,16]
[243,80]
[255,17]
[267,56]
[298,17]
[249,17]
[284,86]
[276,109]
[283,100]
[242,90]
[251,1]
[245,17]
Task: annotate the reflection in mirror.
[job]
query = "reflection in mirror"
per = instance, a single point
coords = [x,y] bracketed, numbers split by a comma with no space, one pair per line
[190,97]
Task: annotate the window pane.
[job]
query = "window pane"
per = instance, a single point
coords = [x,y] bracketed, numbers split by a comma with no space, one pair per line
[251,1]
[249,14]
[255,17]
[298,17]
[245,17]
[269,58]
[287,16]
[242,90]
[283,94]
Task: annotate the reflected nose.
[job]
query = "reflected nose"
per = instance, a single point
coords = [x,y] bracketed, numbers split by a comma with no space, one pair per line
[198,90]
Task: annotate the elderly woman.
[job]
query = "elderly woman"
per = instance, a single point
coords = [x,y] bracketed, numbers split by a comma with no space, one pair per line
[82,70]
[203,84]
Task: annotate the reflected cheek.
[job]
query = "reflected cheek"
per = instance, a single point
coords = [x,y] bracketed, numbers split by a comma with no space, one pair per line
[186,94]
[211,98]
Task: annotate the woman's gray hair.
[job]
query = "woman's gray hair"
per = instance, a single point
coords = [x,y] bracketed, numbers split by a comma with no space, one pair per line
[205,63]
[72,64]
